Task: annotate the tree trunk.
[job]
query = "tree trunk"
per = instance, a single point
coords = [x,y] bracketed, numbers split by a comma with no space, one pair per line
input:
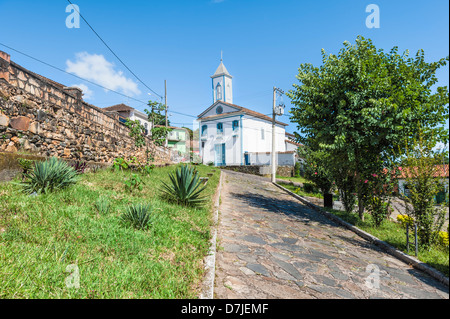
[360,196]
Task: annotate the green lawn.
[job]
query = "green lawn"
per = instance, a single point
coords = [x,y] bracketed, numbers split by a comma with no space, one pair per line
[298,179]
[395,235]
[40,236]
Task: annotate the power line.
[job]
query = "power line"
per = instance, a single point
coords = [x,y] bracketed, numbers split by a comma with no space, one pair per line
[113,51]
[88,81]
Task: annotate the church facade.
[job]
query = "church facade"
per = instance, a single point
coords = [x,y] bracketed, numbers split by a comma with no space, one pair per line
[234,135]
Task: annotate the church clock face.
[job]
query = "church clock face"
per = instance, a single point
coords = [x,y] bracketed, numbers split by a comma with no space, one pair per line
[219,109]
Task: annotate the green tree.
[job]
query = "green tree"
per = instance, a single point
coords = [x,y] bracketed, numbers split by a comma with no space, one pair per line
[422,169]
[137,132]
[363,103]
[159,131]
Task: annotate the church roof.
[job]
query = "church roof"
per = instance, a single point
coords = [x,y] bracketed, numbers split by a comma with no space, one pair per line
[240,110]
[221,70]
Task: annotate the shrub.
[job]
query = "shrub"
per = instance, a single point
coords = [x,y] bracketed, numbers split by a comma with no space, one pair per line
[310,188]
[79,166]
[137,215]
[26,166]
[297,169]
[50,175]
[185,186]
[120,164]
[405,220]
[442,239]
[102,205]
[135,182]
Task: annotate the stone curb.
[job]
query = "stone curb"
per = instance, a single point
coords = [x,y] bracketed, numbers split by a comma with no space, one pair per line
[210,259]
[385,246]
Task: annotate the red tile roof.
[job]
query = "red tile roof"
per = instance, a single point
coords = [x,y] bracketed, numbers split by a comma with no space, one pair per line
[441,171]
[119,108]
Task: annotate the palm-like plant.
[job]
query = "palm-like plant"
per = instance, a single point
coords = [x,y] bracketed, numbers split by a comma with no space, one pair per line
[50,175]
[137,215]
[185,186]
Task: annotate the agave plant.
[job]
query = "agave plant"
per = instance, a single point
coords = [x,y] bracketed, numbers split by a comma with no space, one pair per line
[48,176]
[185,186]
[137,215]
[26,166]
[102,205]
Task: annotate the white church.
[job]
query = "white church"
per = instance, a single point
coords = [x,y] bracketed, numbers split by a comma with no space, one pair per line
[234,135]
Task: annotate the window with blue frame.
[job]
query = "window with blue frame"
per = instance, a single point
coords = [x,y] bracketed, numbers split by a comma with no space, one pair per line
[218,92]
[235,125]
[204,130]
[219,128]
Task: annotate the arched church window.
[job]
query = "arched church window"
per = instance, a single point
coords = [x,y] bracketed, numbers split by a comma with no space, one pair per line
[218,92]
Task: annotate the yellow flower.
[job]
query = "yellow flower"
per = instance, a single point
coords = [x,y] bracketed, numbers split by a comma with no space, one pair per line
[443,238]
[405,220]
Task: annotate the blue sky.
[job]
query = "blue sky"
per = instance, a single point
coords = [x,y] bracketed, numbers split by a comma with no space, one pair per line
[263,43]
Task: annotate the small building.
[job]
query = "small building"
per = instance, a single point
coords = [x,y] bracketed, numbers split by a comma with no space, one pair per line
[127,112]
[178,140]
[234,135]
[442,173]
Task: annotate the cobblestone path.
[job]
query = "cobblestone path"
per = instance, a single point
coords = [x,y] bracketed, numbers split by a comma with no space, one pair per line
[270,245]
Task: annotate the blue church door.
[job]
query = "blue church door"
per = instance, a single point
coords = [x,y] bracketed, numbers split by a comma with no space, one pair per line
[220,154]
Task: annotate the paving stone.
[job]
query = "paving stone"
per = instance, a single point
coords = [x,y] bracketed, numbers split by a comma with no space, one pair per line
[288,268]
[235,248]
[259,269]
[324,280]
[254,239]
[290,240]
[307,267]
[280,256]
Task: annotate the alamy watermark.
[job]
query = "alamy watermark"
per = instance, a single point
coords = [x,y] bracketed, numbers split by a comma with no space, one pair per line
[373,19]
[73,280]
[373,279]
[73,19]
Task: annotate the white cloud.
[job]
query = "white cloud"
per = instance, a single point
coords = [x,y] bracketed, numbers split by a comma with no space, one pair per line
[95,68]
[87,93]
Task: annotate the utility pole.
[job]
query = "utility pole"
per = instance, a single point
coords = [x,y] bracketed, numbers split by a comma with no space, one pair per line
[165,98]
[165,106]
[274,165]
[275,111]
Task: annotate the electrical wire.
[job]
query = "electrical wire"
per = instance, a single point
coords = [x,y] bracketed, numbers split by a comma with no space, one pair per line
[88,81]
[109,48]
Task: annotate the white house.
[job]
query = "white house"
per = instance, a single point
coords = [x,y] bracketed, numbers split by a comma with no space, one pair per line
[234,135]
[126,111]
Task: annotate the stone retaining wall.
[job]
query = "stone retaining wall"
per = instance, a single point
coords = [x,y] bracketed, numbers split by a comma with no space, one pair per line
[261,170]
[45,118]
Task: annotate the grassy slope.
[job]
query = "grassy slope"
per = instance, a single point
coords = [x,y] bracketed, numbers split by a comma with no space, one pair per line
[392,233]
[41,235]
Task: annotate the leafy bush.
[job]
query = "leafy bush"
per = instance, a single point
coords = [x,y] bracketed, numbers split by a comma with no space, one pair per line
[137,215]
[185,186]
[50,175]
[405,220]
[26,166]
[297,169]
[120,164]
[310,188]
[135,182]
[79,166]
[442,239]
[102,205]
